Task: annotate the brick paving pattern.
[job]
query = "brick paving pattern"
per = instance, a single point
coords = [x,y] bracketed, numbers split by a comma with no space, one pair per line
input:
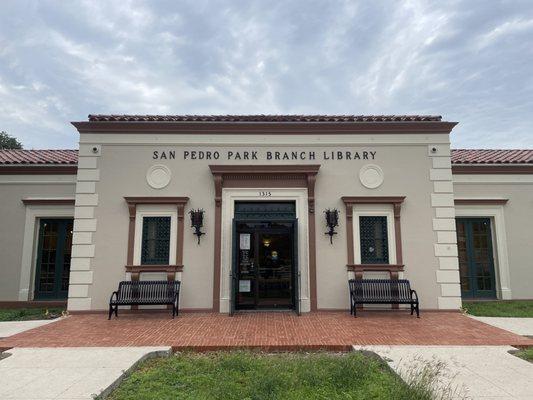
[267,331]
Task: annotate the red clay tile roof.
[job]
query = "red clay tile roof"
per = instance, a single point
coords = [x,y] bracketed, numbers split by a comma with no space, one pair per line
[468,156]
[264,118]
[33,157]
[459,156]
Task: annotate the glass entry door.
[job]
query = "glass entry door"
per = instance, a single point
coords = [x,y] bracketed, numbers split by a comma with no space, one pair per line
[53,259]
[265,270]
[476,261]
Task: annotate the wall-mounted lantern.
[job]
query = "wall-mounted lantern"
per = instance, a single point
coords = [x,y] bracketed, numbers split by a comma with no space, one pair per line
[197,221]
[332,220]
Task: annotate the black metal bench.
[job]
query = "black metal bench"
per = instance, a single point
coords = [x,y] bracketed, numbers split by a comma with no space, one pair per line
[382,291]
[143,293]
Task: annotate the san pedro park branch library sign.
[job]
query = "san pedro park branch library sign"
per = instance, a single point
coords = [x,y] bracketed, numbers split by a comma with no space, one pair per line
[265,155]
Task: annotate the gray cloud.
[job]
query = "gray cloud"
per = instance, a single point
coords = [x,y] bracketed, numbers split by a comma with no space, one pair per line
[469,61]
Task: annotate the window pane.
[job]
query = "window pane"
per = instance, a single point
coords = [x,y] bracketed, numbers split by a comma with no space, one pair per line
[374,240]
[155,240]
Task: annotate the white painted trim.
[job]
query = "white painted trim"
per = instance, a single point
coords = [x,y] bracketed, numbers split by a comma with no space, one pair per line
[492,178]
[155,210]
[30,242]
[377,210]
[229,196]
[499,238]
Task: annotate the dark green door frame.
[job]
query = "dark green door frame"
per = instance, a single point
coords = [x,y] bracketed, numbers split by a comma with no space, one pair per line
[53,259]
[476,258]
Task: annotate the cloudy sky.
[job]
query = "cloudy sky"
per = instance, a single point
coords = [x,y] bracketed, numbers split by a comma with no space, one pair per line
[470,61]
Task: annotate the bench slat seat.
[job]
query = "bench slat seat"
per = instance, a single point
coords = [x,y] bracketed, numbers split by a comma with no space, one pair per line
[382,291]
[142,293]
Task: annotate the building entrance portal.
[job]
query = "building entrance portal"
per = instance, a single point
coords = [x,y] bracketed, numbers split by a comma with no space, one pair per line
[265,253]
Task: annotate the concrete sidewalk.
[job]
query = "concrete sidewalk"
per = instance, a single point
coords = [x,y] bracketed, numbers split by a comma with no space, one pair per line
[10,328]
[471,372]
[520,326]
[67,373]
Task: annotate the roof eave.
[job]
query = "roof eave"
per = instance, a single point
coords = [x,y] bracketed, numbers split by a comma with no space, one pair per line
[38,169]
[222,127]
[459,168]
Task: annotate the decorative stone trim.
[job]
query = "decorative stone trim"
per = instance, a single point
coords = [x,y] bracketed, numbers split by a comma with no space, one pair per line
[254,176]
[359,269]
[445,247]
[158,176]
[83,248]
[396,201]
[136,270]
[171,270]
[371,176]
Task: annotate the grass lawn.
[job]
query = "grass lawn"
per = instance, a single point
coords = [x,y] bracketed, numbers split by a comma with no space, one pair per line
[244,375]
[526,354]
[26,314]
[512,308]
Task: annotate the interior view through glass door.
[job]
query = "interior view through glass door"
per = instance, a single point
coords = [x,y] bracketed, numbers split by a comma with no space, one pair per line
[265,261]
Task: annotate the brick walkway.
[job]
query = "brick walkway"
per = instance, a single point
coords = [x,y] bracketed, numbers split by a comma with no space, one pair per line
[268,331]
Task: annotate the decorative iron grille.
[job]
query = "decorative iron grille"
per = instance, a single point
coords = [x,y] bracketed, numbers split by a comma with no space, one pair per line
[155,241]
[265,210]
[374,241]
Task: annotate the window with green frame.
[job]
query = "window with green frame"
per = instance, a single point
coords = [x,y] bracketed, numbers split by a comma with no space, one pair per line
[373,240]
[155,241]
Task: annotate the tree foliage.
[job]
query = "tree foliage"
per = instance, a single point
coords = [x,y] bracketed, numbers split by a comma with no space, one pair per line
[9,142]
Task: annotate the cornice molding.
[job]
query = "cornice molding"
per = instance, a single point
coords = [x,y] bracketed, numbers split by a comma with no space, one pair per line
[156,200]
[48,202]
[459,169]
[42,169]
[465,202]
[373,199]
[276,128]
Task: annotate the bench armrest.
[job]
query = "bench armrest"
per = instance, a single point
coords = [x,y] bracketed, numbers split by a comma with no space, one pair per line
[115,293]
[414,294]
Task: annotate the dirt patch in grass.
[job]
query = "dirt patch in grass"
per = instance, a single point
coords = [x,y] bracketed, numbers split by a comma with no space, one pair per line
[525,354]
[243,375]
[27,314]
[512,308]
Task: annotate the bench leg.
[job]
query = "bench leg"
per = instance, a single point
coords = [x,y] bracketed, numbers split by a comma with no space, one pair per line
[417,311]
[116,311]
[110,311]
[355,310]
[412,308]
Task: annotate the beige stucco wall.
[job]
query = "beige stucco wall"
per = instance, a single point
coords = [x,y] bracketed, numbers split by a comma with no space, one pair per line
[14,188]
[518,216]
[123,161]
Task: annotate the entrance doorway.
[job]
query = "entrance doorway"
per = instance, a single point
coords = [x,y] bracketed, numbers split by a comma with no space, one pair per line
[265,253]
[476,261]
[53,259]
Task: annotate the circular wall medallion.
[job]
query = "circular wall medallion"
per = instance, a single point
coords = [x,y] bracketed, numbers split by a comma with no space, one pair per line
[158,176]
[371,176]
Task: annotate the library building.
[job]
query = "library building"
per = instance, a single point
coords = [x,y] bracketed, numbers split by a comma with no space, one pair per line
[259,212]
